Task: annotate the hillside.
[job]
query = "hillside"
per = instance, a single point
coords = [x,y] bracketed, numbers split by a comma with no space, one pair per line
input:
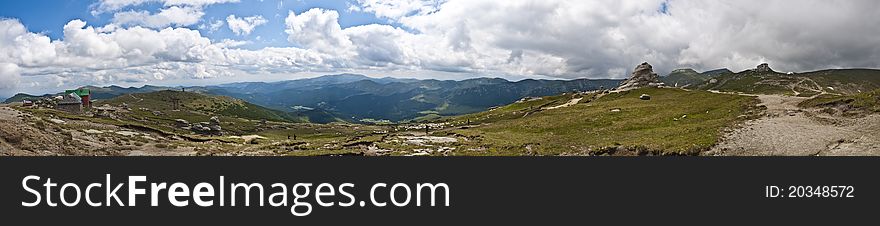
[23,96]
[673,121]
[717,72]
[854,104]
[196,106]
[109,92]
[688,77]
[846,81]
[684,78]
[97,93]
[836,81]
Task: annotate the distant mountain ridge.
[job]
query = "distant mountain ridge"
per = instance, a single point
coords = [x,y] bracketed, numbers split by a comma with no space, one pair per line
[97,93]
[687,77]
[764,80]
[194,104]
[358,97]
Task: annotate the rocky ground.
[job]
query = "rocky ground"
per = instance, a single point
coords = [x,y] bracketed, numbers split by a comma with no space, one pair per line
[788,130]
[23,134]
[26,133]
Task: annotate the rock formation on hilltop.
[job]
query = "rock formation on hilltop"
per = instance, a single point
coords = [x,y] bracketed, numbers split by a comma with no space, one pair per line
[642,76]
[764,67]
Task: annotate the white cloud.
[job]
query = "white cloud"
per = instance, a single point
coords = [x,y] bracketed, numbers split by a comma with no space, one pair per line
[85,41]
[514,39]
[105,6]
[244,25]
[229,43]
[353,7]
[213,26]
[396,9]
[318,29]
[196,2]
[566,38]
[113,55]
[174,15]
[21,47]
[174,12]
[9,78]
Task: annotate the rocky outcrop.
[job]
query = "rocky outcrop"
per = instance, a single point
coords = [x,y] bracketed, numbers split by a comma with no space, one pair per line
[764,67]
[210,127]
[642,76]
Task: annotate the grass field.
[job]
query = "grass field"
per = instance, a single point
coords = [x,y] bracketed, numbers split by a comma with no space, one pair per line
[674,121]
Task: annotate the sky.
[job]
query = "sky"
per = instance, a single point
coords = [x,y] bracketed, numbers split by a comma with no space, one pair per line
[49,45]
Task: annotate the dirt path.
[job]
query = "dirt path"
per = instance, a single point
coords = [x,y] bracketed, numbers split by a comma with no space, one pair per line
[790,131]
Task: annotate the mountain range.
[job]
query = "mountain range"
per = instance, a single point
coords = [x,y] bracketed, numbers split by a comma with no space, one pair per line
[357,98]
[768,81]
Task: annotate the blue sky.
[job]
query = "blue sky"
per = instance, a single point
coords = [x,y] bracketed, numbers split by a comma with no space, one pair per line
[50,45]
[49,16]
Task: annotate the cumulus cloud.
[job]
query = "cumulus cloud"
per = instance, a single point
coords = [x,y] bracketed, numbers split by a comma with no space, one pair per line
[793,36]
[317,29]
[18,46]
[376,47]
[606,38]
[244,25]
[514,39]
[9,78]
[111,55]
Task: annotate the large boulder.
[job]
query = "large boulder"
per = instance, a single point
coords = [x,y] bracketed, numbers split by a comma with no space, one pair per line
[201,128]
[181,123]
[215,120]
[207,128]
[642,76]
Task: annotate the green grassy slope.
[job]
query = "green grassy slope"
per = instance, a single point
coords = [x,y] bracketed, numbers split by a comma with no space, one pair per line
[846,81]
[193,105]
[867,102]
[837,81]
[656,126]
[754,82]
[684,78]
[23,96]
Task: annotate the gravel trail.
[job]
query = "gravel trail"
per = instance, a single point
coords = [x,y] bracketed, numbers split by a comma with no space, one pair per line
[787,130]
